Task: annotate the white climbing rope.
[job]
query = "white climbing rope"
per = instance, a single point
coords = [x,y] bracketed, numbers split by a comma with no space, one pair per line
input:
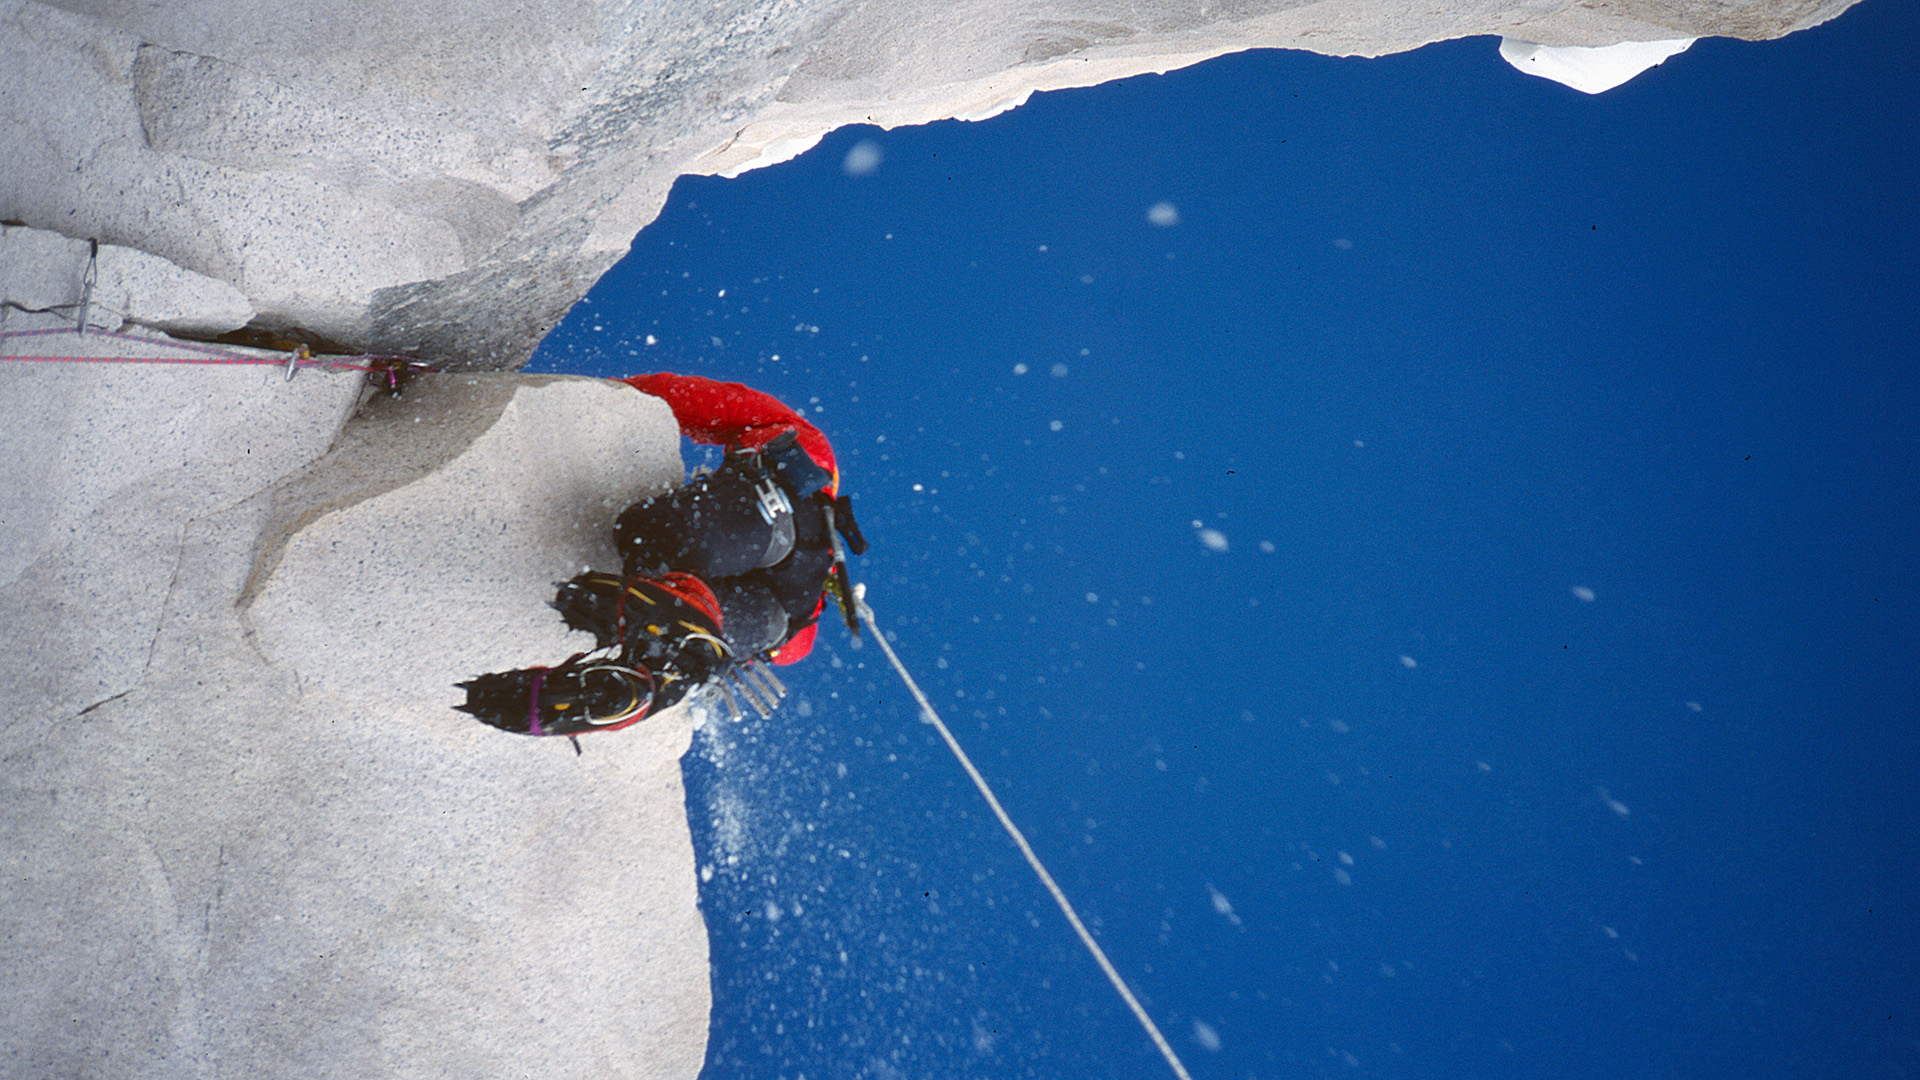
[1033,860]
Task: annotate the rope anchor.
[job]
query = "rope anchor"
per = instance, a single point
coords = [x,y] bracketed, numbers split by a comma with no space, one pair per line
[384,371]
[86,286]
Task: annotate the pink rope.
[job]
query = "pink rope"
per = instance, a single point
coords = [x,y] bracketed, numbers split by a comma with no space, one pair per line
[210,354]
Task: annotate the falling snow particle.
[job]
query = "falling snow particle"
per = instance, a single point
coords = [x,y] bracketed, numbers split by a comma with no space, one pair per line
[651,340]
[1056,425]
[1222,905]
[1409,662]
[1214,539]
[862,159]
[1343,244]
[1093,598]
[1266,547]
[1019,369]
[1058,371]
[1204,1034]
[1163,214]
[1613,804]
[1583,593]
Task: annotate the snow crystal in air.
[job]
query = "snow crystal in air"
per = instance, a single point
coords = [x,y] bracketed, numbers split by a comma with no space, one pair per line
[651,340]
[862,159]
[1613,804]
[1693,706]
[1409,662]
[1204,1034]
[1266,547]
[1163,214]
[1583,593]
[983,1040]
[1055,426]
[1019,369]
[1343,243]
[1058,371]
[1214,539]
[1223,905]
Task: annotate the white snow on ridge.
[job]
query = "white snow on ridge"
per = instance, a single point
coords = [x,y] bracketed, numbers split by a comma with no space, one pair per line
[1590,70]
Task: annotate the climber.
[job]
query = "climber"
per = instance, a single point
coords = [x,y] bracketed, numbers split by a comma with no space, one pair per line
[732,567]
[759,529]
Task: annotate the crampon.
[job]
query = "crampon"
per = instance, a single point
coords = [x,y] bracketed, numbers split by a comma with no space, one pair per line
[657,639]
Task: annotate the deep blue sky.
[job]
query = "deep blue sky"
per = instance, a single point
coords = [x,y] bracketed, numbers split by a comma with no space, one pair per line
[1433,345]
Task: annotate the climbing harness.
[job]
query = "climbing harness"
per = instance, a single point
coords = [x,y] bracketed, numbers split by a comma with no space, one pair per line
[928,713]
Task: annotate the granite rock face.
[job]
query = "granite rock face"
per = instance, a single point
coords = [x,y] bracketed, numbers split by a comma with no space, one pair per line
[446,178]
[246,834]
[44,272]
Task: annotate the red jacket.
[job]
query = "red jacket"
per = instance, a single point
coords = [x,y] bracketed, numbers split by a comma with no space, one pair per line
[740,417]
[734,416]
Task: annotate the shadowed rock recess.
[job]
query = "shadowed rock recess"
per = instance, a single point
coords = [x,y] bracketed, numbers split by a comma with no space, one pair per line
[246,835]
